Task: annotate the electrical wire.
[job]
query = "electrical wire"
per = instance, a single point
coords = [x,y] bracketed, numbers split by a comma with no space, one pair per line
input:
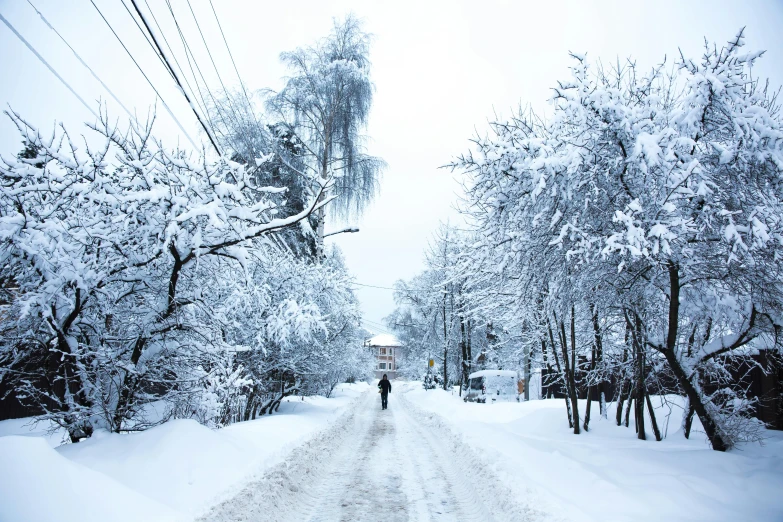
[373,286]
[51,69]
[379,326]
[214,65]
[176,78]
[386,288]
[94,75]
[166,41]
[189,54]
[165,105]
[375,326]
[236,70]
[144,34]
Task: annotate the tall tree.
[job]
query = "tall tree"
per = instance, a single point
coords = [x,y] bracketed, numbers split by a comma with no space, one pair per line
[326,103]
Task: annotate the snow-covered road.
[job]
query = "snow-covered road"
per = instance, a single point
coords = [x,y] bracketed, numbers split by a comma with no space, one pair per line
[395,465]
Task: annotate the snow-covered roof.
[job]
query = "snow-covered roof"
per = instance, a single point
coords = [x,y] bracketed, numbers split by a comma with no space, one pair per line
[384,340]
[493,373]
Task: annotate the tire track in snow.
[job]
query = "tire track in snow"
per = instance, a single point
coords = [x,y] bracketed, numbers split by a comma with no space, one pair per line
[479,493]
[395,465]
[294,489]
[369,481]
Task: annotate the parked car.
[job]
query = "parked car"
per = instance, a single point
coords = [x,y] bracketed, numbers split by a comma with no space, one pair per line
[495,385]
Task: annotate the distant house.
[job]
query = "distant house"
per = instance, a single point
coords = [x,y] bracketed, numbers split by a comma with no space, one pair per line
[387,350]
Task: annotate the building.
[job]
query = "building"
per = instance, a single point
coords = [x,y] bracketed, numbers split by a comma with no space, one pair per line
[387,349]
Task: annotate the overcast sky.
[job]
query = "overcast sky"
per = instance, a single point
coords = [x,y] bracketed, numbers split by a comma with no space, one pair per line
[441,70]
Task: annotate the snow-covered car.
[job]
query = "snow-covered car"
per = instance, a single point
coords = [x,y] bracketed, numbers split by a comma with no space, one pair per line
[495,385]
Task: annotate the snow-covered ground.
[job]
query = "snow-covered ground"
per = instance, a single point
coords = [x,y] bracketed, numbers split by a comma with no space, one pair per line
[607,474]
[175,471]
[392,465]
[428,457]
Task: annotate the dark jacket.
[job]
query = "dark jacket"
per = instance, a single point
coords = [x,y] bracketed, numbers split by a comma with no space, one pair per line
[385,386]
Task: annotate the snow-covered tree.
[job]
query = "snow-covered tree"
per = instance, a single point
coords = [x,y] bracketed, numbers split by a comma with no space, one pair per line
[127,265]
[642,222]
[326,104]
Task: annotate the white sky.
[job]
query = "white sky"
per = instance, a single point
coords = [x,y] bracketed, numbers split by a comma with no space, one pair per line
[441,69]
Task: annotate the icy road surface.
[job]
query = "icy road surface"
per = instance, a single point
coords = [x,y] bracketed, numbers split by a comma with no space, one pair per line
[399,464]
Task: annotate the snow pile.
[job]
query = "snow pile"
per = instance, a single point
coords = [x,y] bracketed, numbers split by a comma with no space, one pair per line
[607,474]
[49,431]
[175,471]
[38,483]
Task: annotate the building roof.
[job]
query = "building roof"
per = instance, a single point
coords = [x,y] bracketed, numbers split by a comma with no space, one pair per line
[493,373]
[383,340]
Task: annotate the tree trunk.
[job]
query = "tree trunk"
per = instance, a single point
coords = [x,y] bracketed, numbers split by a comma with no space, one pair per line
[620,402]
[547,393]
[319,232]
[249,405]
[64,381]
[561,374]
[719,443]
[717,439]
[445,344]
[321,212]
[569,372]
[628,406]
[640,380]
[589,393]
[572,372]
[688,421]
[464,349]
[130,382]
[598,356]
[653,420]
[527,373]
[470,350]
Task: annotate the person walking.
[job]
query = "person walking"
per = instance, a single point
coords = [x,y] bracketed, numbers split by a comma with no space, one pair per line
[385,388]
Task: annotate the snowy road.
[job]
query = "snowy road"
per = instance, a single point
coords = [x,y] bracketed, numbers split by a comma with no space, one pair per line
[394,465]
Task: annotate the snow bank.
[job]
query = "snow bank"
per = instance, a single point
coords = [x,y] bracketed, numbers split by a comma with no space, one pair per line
[53,434]
[37,483]
[607,474]
[177,470]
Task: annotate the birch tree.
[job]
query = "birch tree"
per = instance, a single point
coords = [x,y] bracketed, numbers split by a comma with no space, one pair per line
[326,104]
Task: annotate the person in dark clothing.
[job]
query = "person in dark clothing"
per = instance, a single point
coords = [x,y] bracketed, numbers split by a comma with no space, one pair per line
[385,386]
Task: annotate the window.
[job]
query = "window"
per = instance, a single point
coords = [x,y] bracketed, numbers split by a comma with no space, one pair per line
[390,366]
[391,351]
[382,351]
[381,366]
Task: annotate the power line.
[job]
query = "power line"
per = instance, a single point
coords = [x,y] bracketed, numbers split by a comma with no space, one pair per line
[166,41]
[373,286]
[189,54]
[236,70]
[202,106]
[165,105]
[378,325]
[203,39]
[375,326]
[409,290]
[51,69]
[179,84]
[43,18]
[145,36]
[214,65]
